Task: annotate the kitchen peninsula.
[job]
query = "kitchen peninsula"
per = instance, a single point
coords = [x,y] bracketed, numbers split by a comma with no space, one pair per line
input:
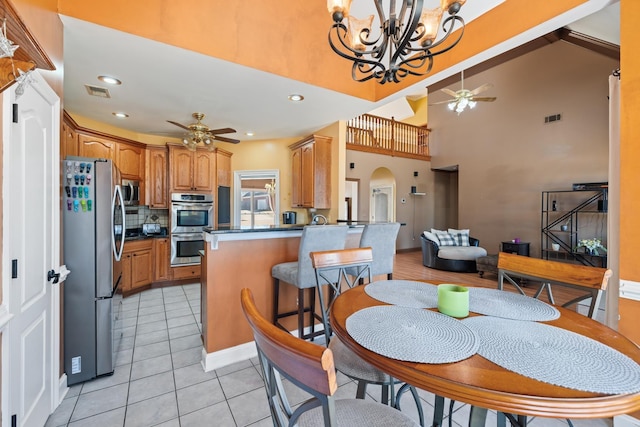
[236,258]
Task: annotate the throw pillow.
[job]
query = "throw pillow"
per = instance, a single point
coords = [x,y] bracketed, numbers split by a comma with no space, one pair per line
[429,235]
[445,238]
[461,236]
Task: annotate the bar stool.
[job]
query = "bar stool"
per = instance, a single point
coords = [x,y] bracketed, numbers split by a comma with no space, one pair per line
[381,238]
[301,274]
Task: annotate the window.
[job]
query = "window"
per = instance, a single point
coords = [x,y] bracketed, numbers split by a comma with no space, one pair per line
[257,198]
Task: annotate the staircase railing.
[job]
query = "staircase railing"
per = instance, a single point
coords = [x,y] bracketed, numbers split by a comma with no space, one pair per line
[386,136]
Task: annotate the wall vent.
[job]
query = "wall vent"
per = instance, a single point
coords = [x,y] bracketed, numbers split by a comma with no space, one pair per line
[98,91]
[553,118]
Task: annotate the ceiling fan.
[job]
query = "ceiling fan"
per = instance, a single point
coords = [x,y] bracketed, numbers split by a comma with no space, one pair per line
[199,132]
[464,98]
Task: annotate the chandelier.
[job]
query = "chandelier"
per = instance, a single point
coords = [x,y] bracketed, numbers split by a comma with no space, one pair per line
[406,37]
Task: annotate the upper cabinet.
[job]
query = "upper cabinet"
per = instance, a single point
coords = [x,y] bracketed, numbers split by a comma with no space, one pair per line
[311,172]
[130,159]
[101,148]
[156,178]
[223,167]
[69,141]
[191,170]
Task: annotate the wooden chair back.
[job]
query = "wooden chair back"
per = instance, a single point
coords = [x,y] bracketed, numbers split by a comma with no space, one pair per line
[307,365]
[592,280]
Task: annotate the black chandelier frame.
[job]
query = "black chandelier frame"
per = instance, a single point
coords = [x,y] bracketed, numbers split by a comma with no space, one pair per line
[404,58]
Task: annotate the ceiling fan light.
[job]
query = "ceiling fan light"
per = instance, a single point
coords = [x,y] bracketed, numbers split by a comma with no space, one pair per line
[430,19]
[451,106]
[359,30]
[472,104]
[185,141]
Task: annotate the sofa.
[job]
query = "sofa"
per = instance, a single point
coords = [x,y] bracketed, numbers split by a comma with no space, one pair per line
[451,257]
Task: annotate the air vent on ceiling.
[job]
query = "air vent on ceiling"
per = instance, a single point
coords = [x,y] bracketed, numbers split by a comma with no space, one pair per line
[553,118]
[97,91]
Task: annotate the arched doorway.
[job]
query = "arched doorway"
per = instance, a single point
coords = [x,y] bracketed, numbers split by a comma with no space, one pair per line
[382,188]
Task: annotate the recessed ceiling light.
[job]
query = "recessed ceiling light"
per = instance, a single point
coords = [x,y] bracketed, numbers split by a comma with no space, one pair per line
[296,97]
[249,133]
[120,115]
[110,80]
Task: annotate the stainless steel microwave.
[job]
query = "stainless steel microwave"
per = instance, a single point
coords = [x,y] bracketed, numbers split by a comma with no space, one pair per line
[131,192]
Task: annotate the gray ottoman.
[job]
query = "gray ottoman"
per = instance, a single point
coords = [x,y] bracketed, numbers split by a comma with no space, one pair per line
[487,263]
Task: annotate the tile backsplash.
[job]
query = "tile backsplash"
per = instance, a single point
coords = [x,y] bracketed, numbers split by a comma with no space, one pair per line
[138,215]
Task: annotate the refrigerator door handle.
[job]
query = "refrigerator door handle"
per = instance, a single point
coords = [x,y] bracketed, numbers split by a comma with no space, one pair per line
[117,195]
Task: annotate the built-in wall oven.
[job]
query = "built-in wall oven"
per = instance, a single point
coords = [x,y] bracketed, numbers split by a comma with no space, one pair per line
[189,214]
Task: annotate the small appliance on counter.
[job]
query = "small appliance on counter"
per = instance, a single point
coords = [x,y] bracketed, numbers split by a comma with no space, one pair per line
[289,217]
[150,228]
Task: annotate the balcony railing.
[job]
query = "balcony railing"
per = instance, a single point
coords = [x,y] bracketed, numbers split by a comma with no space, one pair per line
[386,136]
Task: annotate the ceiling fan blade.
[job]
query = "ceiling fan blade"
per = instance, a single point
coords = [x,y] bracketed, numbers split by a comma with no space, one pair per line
[443,102]
[484,98]
[482,88]
[179,125]
[221,130]
[449,92]
[222,138]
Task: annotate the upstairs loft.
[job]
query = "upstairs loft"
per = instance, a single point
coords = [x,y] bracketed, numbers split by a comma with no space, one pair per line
[379,135]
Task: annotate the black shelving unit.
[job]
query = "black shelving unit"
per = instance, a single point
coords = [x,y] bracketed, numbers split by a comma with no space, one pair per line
[567,216]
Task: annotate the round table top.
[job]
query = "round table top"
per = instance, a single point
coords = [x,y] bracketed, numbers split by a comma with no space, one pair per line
[482,383]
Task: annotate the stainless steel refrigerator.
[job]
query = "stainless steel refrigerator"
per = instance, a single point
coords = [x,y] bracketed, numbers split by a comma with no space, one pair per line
[93,224]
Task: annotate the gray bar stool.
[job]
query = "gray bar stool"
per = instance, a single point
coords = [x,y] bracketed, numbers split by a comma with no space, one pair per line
[381,238]
[301,274]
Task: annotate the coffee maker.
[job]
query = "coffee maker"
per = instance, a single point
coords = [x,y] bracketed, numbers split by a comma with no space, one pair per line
[289,217]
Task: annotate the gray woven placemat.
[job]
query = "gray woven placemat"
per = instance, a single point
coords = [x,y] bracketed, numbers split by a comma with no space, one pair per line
[405,293]
[555,356]
[412,334]
[493,302]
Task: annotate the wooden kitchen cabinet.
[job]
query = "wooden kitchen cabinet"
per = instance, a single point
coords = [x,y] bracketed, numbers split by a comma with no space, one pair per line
[130,159]
[186,272]
[311,172]
[101,148]
[137,264]
[161,253]
[223,167]
[69,141]
[191,170]
[156,178]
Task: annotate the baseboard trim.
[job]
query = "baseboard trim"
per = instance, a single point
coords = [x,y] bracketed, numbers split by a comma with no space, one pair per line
[62,388]
[228,356]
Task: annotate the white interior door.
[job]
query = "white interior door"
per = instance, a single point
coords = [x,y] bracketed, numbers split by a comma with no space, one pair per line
[382,209]
[32,240]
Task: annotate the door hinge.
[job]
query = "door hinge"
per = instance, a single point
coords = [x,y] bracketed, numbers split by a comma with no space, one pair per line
[15,113]
[14,268]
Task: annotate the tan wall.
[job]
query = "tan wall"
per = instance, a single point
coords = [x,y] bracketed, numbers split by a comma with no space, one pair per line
[629,155]
[506,154]
[123,133]
[417,212]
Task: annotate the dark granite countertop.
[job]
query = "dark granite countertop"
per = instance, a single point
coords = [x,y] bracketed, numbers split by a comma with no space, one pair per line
[282,227]
[137,234]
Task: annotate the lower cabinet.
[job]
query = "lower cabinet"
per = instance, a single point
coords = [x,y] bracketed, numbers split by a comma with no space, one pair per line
[137,264]
[186,272]
[161,253]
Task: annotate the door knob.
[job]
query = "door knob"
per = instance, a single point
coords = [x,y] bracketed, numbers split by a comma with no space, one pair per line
[51,274]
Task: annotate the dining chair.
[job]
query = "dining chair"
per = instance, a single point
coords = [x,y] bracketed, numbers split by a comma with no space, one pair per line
[590,281]
[333,271]
[300,274]
[309,367]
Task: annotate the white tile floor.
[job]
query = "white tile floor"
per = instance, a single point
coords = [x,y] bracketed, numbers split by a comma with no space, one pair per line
[159,380]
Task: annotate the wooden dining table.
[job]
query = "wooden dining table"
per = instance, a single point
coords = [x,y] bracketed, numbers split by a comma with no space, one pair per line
[486,385]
